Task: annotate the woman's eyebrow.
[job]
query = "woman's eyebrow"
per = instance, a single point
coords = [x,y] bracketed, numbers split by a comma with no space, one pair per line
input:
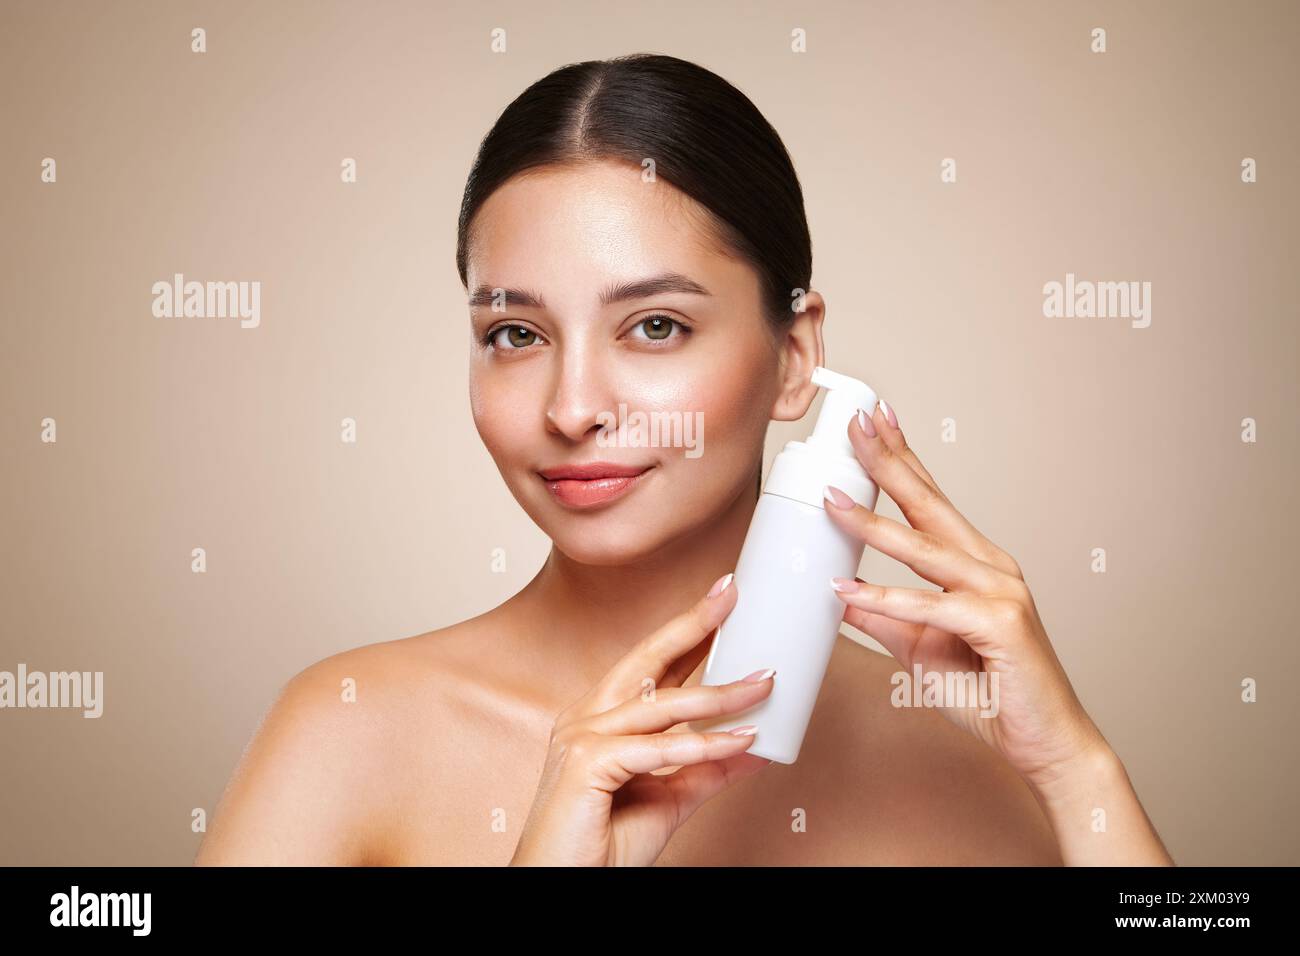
[657,285]
[489,295]
[618,292]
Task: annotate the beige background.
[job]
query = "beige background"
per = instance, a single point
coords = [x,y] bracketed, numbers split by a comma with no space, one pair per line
[1072,433]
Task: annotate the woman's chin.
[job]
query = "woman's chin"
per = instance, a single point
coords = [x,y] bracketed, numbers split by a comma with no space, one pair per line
[609,546]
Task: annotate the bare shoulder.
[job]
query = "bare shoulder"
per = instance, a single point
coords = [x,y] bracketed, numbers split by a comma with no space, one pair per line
[329,756]
[924,790]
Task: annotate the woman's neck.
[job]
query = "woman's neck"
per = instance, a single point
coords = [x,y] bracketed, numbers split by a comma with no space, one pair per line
[596,613]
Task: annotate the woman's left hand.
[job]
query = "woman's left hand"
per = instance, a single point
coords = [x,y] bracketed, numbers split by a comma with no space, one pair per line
[984,619]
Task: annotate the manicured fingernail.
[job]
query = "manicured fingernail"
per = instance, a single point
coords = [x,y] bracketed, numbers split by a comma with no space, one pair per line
[889,413]
[838,498]
[757,676]
[866,424]
[747,731]
[844,584]
[721,584]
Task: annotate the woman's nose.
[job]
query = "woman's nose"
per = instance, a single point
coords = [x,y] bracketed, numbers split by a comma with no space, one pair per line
[579,400]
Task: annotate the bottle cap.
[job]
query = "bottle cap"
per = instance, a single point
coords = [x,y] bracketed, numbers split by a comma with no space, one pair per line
[844,396]
[803,469]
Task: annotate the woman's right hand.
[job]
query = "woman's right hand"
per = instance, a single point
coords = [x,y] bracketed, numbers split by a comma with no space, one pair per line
[598,804]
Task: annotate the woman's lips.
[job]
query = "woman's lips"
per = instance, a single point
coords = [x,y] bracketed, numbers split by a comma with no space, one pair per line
[583,492]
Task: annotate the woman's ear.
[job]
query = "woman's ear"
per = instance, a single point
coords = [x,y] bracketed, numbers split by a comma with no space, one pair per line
[800,352]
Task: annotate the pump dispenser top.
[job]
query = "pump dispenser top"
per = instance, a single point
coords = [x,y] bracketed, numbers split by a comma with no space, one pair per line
[803,468]
[844,396]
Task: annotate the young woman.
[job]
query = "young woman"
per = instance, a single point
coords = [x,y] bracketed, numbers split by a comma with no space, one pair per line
[633,233]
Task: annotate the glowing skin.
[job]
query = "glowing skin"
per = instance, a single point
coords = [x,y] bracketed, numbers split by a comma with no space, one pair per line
[566,235]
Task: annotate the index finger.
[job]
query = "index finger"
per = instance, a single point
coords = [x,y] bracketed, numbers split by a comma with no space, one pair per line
[925,507]
[654,655]
[890,431]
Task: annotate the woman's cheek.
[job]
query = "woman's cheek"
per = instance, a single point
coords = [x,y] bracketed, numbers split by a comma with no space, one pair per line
[499,428]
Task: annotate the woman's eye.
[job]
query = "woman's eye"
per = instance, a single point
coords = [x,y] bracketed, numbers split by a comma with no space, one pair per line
[658,328]
[514,338]
[517,336]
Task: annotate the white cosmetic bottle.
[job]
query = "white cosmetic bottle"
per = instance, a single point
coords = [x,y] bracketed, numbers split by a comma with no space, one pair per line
[787,616]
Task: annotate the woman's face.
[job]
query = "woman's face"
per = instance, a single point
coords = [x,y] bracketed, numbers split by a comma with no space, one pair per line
[566,351]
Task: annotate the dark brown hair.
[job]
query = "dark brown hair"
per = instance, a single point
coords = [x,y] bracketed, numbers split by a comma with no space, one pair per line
[705,137]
